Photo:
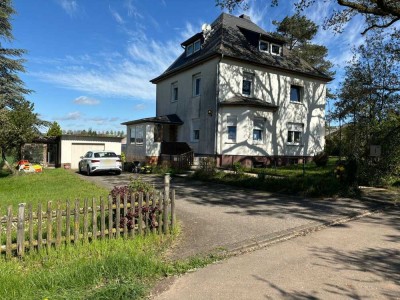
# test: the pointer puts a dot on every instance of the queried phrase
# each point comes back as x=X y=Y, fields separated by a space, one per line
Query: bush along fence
x=121 y=216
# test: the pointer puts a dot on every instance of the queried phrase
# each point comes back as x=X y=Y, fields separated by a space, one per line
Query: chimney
x=243 y=16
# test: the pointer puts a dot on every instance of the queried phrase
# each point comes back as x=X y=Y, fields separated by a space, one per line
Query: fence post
x=110 y=217
x=140 y=214
x=173 y=217
x=9 y=227
x=76 y=222
x=125 y=216
x=68 y=223
x=59 y=225
x=49 y=225
x=85 y=220
x=94 y=219
x=21 y=230
x=30 y=217
x=40 y=231
x=166 y=201
x=118 y=216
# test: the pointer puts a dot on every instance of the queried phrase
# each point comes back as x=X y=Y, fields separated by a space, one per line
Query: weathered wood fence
x=136 y=214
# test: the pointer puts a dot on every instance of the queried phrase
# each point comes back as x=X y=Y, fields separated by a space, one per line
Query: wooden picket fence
x=30 y=230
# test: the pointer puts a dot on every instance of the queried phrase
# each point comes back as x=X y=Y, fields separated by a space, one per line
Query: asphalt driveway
x=216 y=217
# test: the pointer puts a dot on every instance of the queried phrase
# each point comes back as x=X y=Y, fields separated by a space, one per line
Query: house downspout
x=216 y=109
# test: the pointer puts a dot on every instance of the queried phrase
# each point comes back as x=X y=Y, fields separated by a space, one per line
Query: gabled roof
x=168 y=119
x=238 y=38
x=248 y=101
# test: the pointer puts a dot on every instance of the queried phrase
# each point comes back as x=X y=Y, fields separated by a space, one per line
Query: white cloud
x=132 y=10
x=117 y=17
x=70 y=6
x=84 y=100
x=140 y=106
x=72 y=116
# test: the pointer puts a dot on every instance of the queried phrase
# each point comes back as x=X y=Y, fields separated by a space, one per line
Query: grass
x=108 y=269
x=52 y=184
x=316 y=182
x=115 y=269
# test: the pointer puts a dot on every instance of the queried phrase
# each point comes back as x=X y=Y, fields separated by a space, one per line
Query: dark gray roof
x=168 y=119
x=238 y=38
x=248 y=101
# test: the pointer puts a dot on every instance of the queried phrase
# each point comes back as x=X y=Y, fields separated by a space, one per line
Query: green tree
x=54 y=130
x=298 y=32
x=376 y=13
x=18 y=122
x=369 y=101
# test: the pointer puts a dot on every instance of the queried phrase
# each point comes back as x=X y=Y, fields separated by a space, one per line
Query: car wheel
x=118 y=173
x=88 y=171
x=79 y=169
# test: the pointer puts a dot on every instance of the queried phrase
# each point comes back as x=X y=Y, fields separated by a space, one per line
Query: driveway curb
x=271 y=239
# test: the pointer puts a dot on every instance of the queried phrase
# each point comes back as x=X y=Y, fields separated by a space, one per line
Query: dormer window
x=263 y=46
x=193 y=47
x=276 y=49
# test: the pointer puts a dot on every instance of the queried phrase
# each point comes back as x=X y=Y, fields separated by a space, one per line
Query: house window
x=195 y=130
x=189 y=50
x=295 y=133
x=295 y=93
x=247 y=83
x=196 y=84
x=193 y=48
x=133 y=135
x=137 y=134
x=276 y=49
x=258 y=129
x=174 y=92
x=263 y=46
x=231 y=123
x=196 y=46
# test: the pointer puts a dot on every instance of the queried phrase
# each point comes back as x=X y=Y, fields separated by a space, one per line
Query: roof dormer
x=193 y=44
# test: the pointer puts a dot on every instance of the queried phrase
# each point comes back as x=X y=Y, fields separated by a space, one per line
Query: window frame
x=293 y=130
x=248 y=77
x=275 y=45
x=265 y=42
x=300 y=93
x=174 y=96
x=231 y=124
x=192 y=48
x=196 y=89
x=260 y=130
x=195 y=130
x=135 y=132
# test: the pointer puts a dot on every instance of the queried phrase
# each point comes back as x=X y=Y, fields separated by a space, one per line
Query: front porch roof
x=248 y=101
x=168 y=119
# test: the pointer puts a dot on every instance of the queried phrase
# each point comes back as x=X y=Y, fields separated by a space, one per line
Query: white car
x=100 y=161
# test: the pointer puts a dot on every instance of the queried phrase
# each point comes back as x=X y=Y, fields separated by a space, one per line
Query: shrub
x=321 y=159
x=238 y=168
x=136 y=186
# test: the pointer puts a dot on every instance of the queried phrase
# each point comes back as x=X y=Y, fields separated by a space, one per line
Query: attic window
x=193 y=47
x=263 y=46
x=276 y=49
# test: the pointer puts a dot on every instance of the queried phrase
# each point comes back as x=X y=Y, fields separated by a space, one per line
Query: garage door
x=79 y=150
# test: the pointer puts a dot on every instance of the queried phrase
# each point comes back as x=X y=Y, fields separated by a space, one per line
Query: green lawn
x=52 y=184
x=310 y=168
x=103 y=269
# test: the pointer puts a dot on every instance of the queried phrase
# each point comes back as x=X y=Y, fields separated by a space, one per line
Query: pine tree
x=18 y=122
x=54 y=130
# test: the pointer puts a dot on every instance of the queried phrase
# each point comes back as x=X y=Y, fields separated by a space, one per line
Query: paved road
x=223 y=217
x=356 y=260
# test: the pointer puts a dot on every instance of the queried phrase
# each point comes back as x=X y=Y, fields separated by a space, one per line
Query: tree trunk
x=3 y=156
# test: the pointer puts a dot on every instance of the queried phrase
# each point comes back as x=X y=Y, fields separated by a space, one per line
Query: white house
x=238 y=94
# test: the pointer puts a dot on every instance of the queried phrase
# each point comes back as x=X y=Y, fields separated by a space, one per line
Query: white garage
x=73 y=147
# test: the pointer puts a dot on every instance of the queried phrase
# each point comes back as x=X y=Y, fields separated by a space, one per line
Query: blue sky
x=90 y=62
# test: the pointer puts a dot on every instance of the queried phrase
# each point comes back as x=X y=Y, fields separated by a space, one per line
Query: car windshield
x=105 y=154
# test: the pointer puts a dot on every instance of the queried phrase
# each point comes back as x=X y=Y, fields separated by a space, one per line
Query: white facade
x=272 y=87
x=73 y=147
